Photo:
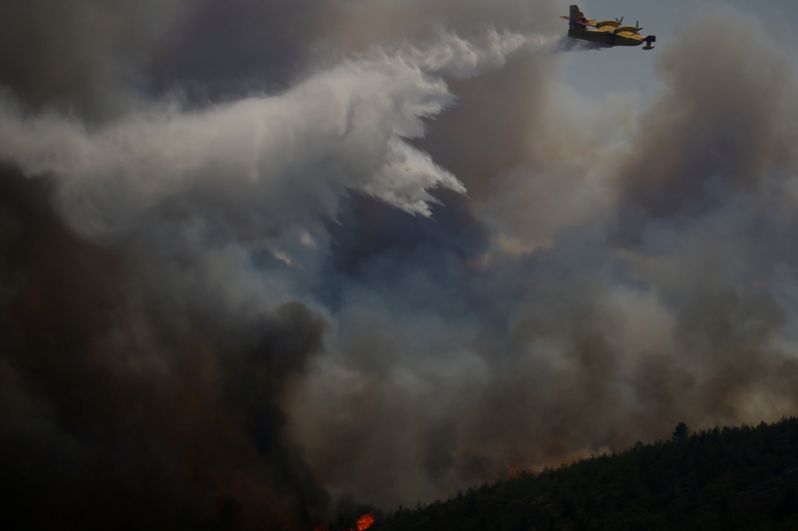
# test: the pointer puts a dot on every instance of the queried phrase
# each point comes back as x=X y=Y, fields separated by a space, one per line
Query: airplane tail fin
x=650 y=40
x=576 y=15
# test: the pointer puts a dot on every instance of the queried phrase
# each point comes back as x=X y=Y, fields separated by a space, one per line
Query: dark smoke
x=264 y=262
x=86 y=56
x=125 y=412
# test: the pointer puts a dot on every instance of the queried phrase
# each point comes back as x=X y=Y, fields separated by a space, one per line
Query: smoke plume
x=371 y=253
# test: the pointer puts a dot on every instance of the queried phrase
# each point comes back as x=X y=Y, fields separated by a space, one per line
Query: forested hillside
x=730 y=478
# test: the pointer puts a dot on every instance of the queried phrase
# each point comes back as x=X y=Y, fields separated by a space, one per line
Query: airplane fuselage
x=603 y=38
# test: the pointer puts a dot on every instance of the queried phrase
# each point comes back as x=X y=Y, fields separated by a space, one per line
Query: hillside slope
x=731 y=478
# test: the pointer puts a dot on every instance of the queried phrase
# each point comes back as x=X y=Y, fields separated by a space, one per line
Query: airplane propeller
x=619 y=20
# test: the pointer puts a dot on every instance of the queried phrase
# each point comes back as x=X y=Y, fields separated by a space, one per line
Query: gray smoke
x=86 y=57
x=371 y=251
x=581 y=317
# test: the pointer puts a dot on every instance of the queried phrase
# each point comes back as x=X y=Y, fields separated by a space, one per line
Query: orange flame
x=365 y=522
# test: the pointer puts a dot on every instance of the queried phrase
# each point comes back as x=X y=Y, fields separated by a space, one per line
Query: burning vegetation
x=366 y=521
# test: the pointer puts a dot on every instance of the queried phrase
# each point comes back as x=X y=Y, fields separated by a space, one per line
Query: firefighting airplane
x=607 y=33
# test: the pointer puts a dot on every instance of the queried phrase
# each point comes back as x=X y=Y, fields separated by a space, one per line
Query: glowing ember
x=365 y=522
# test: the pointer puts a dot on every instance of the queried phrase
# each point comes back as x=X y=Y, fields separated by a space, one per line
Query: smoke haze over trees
x=259 y=259
x=734 y=478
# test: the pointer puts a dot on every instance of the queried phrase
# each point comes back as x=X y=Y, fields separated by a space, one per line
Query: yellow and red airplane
x=606 y=33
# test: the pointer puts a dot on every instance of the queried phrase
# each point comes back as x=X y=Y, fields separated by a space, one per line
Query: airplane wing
x=630 y=34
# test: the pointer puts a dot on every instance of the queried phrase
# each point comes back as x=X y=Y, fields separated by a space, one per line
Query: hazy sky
x=597 y=75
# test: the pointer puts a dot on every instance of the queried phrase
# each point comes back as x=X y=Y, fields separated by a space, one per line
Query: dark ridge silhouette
x=729 y=478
